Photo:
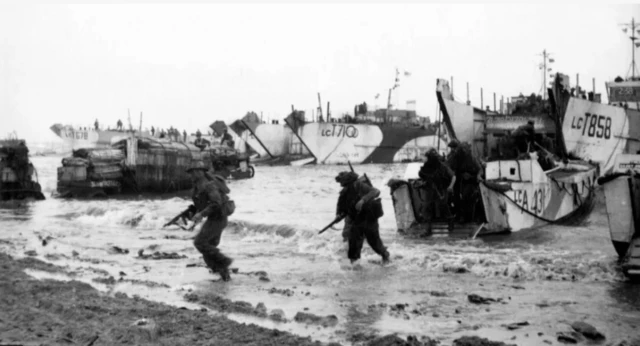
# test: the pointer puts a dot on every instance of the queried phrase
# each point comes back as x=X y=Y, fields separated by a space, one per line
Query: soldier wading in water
x=211 y=202
x=359 y=205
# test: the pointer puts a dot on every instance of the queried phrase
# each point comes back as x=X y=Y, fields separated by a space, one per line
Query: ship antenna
x=634 y=44
x=546 y=59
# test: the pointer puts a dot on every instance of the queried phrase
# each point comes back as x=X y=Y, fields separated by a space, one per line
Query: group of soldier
x=451 y=184
x=171 y=133
x=450 y=181
x=358 y=204
x=202 y=143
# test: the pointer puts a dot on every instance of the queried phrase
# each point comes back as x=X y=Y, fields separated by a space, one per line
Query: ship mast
x=634 y=44
x=546 y=58
x=396 y=84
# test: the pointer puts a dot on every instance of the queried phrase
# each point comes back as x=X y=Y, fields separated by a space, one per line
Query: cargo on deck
x=142 y=165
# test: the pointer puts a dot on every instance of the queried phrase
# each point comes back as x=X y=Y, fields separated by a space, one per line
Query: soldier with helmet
x=212 y=203
x=200 y=142
x=438 y=181
x=359 y=205
x=468 y=173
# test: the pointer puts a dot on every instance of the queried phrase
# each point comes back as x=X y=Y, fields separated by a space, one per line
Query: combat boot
x=385 y=257
x=224 y=274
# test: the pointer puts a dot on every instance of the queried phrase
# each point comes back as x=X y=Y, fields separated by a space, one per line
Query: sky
x=187 y=65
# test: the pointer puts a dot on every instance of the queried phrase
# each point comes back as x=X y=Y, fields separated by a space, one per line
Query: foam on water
x=274 y=230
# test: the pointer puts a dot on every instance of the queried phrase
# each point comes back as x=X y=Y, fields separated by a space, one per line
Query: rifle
x=364 y=175
x=335 y=221
x=186 y=214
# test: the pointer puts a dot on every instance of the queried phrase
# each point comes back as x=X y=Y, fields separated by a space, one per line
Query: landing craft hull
x=594 y=131
x=75 y=138
x=144 y=165
x=467 y=123
x=17 y=172
x=518 y=195
x=339 y=143
x=271 y=140
x=622 y=198
x=599 y=132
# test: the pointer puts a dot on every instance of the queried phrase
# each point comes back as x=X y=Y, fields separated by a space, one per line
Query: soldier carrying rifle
x=212 y=203
x=360 y=206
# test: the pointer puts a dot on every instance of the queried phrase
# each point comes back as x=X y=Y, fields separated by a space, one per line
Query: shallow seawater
x=548 y=277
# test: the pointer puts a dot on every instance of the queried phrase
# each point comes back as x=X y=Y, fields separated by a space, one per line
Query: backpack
x=228 y=206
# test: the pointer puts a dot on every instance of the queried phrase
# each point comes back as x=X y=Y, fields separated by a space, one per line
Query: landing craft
x=143 y=165
x=611 y=133
x=516 y=194
x=74 y=137
x=592 y=130
x=269 y=143
x=382 y=136
x=622 y=196
x=17 y=173
x=484 y=129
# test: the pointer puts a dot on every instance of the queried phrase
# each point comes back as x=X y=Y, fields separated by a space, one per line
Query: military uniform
x=359 y=225
x=524 y=137
x=436 y=177
x=201 y=143
x=210 y=202
x=228 y=139
x=465 y=190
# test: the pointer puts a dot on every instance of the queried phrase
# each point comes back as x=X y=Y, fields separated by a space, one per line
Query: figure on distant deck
x=227 y=139
x=524 y=137
x=201 y=142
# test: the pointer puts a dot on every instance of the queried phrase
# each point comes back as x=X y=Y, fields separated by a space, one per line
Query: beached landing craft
x=272 y=143
x=622 y=183
x=143 y=164
x=592 y=130
x=517 y=193
x=381 y=136
x=85 y=137
x=74 y=138
x=622 y=197
x=16 y=181
x=485 y=129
